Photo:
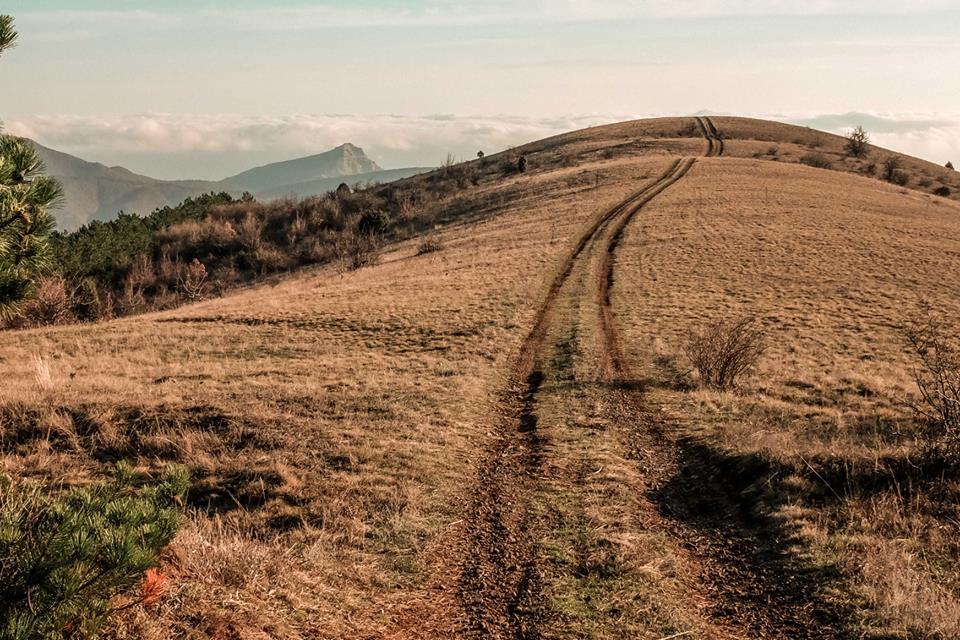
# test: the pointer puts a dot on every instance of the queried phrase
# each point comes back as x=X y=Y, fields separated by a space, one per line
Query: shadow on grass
x=725 y=504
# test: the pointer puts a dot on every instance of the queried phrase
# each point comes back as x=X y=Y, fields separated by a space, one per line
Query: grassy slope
x=334 y=423
x=833 y=265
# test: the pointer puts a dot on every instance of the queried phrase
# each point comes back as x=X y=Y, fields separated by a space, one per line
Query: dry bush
x=893 y=173
x=725 y=349
x=429 y=246
x=937 y=377
x=250 y=231
x=52 y=305
x=817 y=160
x=192 y=280
x=354 y=250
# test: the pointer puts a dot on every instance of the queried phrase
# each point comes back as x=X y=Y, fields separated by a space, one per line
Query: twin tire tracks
x=499 y=581
x=709 y=131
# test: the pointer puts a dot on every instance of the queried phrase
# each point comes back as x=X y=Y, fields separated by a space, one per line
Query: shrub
x=355 y=250
x=50 y=305
x=858 y=143
x=68 y=562
x=374 y=221
x=937 y=377
x=725 y=349
x=192 y=279
x=522 y=164
x=942 y=191
x=817 y=160
x=892 y=172
x=949 y=165
x=429 y=246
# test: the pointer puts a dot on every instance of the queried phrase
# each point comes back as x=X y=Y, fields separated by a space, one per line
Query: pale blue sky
x=194 y=88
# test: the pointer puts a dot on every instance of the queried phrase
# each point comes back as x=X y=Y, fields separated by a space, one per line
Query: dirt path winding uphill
x=499 y=579
x=709 y=131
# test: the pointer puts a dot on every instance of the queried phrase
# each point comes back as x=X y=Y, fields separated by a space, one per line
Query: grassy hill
x=495 y=431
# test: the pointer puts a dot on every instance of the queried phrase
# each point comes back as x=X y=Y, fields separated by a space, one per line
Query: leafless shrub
x=937 y=377
x=429 y=246
x=250 y=231
x=725 y=349
x=354 y=250
x=52 y=304
x=139 y=278
x=192 y=280
x=817 y=160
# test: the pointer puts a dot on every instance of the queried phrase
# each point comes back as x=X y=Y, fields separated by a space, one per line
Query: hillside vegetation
x=493 y=430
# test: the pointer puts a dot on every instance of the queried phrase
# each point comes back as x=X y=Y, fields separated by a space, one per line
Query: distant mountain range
x=97 y=192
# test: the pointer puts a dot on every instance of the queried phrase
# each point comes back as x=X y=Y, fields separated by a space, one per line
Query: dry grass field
x=500 y=438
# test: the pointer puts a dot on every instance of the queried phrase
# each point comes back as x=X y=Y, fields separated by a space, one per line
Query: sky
x=207 y=88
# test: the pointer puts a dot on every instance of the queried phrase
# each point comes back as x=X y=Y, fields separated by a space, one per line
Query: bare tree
x=858 y=142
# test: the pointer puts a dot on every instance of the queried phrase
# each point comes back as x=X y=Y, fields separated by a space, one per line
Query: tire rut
x=759 y=585
x=613 y=357
x=710 y=132
x=499 y=583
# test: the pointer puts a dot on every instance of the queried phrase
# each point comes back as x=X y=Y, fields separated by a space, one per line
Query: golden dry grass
x=833 y=265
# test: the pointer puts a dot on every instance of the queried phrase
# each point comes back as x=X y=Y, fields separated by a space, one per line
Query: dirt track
x=714 y=140
x=499 y=588
x=499 y=577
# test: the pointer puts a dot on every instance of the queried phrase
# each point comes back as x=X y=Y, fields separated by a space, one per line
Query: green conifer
x=26 y=195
